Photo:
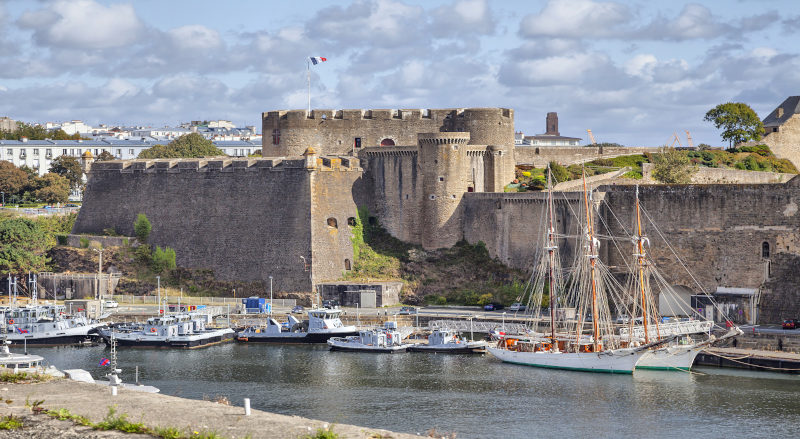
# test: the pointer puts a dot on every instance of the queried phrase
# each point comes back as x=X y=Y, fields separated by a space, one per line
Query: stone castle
x=430 y=177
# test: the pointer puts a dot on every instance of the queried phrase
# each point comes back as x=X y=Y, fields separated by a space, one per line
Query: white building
x=71 y=127
x=38 y=154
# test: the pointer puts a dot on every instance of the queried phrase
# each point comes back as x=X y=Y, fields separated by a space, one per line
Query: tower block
x=443 y=158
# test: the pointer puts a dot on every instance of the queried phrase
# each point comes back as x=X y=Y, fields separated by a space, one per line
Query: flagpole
x=308 y=77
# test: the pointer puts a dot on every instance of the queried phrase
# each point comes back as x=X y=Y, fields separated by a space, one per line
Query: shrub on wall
x=84 y=242
x=142 y=228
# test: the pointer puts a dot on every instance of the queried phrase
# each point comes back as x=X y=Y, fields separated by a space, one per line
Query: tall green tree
x=12 y=179
x=142 y=228
x=53 y=189
x=68 y=167
x=104 y=157
x=23 y=246
x=187 y=146
x=738 y=121
x=672 y=167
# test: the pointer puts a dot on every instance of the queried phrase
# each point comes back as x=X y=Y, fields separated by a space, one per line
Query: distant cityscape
x=122 y=142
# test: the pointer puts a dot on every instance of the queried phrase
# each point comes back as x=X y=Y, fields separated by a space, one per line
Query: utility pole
x=99 y=271
x=270 y=296
x=158 y=290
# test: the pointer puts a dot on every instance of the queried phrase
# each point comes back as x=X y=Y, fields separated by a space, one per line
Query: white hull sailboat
x=612 y=361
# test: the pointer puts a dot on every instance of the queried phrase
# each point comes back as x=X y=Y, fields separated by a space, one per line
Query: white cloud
x=463 y=17
x=83 y=24
x=195 y=37
x=576 y=19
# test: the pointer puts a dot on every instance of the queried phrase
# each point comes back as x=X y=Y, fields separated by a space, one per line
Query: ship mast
x=640 y=262
x=593 y=260
x=551 y=259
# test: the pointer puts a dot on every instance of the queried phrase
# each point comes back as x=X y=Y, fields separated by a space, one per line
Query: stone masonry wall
x=706 y=175
x=542 y=155
x=785 y=143
x=334 y=131
x=244 y=219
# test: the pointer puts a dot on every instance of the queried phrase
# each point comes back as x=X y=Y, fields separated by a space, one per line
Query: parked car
x=492 y=306
x=70 y=205
x=407 y=310
x=791 y=324
x=297 y=310
x=330 y=304
x=111 y=304
x=517 y=307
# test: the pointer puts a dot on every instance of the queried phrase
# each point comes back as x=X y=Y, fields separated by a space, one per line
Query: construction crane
x=591 y=137
x=689 y=139
x=676 y=139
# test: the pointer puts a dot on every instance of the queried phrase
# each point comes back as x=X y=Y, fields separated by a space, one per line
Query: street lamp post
x=158 y=290
x=270 y=296
x=99 y=271
x=504 y=321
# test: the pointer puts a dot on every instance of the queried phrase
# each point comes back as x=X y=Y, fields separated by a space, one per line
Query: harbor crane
x=591 y=137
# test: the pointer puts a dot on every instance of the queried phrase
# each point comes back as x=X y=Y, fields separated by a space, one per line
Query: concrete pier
x=770 y=361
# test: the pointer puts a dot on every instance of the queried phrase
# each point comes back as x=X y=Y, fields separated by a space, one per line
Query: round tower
x=443 y=163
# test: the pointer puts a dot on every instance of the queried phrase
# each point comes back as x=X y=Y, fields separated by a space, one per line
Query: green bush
x=142 y=228
x=163 y=260
x=61 y=238
x=84 y=242
x=10 y=422
x=112 y=421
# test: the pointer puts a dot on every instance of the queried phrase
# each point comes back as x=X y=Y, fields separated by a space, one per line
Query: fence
x=193 y=300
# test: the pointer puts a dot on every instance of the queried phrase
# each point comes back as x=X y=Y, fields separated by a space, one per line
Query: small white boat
x=47 y=325
x=322 y=324
x=183 y=330
x=17 y=363
x=381 y=340
x=447 y=341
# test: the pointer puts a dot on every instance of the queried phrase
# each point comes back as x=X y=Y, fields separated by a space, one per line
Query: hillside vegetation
x=464 y=274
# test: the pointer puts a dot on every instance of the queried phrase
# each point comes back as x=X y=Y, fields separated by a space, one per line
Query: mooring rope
x=735 y=360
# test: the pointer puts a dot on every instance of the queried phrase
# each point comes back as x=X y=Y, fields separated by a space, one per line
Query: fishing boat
x=48 y=325
x=322 y=324
x=180 y=330
x=570 y=345
x=380 y=340
x=448 y=342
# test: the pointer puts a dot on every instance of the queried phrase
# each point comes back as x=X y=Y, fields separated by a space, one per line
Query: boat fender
x=10 y=321
x=152 y=329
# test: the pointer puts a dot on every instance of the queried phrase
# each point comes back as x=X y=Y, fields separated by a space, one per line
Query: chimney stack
x=552 y=124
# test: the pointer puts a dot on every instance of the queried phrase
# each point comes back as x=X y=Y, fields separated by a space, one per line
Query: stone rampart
x=785 y=143
x=289 y=133
x=540 y=156
x=705 y=175
x=245 y=219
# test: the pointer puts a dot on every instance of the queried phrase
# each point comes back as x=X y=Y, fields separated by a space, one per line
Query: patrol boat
x=182 y=330
x=322 y=324
x=447 y=341
x=47 y=325
x=381 y=340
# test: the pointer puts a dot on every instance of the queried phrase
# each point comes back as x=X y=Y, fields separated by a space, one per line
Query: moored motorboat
x=183 y=330
x=48 y=325
x=447 y=341
x=381 y=340
x=322 y=324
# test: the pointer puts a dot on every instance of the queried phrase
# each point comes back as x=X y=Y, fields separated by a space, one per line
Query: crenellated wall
x=334 y=131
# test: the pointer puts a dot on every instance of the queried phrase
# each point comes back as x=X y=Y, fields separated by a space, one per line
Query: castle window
x=387 y=142
x=332 y=223
x=441 y=178
x=347 y=264
x=537 y=150
x=357 y=142
x=453 y=196
x=276 y=136
x=470 y=189
x=351 y=222
x=432 y=197
x=765 y=250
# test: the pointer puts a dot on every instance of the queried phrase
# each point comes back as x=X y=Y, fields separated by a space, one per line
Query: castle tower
x=551 y=128
x=499 y=168
x=443 y=161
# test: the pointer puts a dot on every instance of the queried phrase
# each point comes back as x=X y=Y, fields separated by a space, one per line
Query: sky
x=634 y=72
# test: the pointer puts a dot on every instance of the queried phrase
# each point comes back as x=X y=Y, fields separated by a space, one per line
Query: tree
x=163 y=260
x=142 y=228
x=69 y=167
x=53 y=189
x=187 y=146
x=22 y=246
x=12 y=179
x=104 y=157
x=672 y=167
x=560 y=173
x=738 y=121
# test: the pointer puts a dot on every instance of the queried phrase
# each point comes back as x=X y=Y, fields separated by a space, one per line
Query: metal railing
x=126 y=299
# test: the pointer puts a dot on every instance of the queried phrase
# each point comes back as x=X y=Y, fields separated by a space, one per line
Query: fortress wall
x=706 y=175
x=394 y=178
x=245 y=219
x=718 y=230
x=476 y=172
x=334 y=131
x=512 y=225
x=785 y=143
x=337 y=191
x=540 y=156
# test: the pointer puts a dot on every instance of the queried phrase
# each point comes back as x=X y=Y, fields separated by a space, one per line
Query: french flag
x=104 y=362
x=317 y=59
x=22 y=331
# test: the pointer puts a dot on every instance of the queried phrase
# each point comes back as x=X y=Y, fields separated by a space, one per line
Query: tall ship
x=180 y=330
x=588 y=341
x=48 y=325
x=322 y=324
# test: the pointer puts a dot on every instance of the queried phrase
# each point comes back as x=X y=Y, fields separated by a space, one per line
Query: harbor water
x=473 y=396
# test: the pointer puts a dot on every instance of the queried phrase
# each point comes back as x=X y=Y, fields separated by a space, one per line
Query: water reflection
x=474 y=396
